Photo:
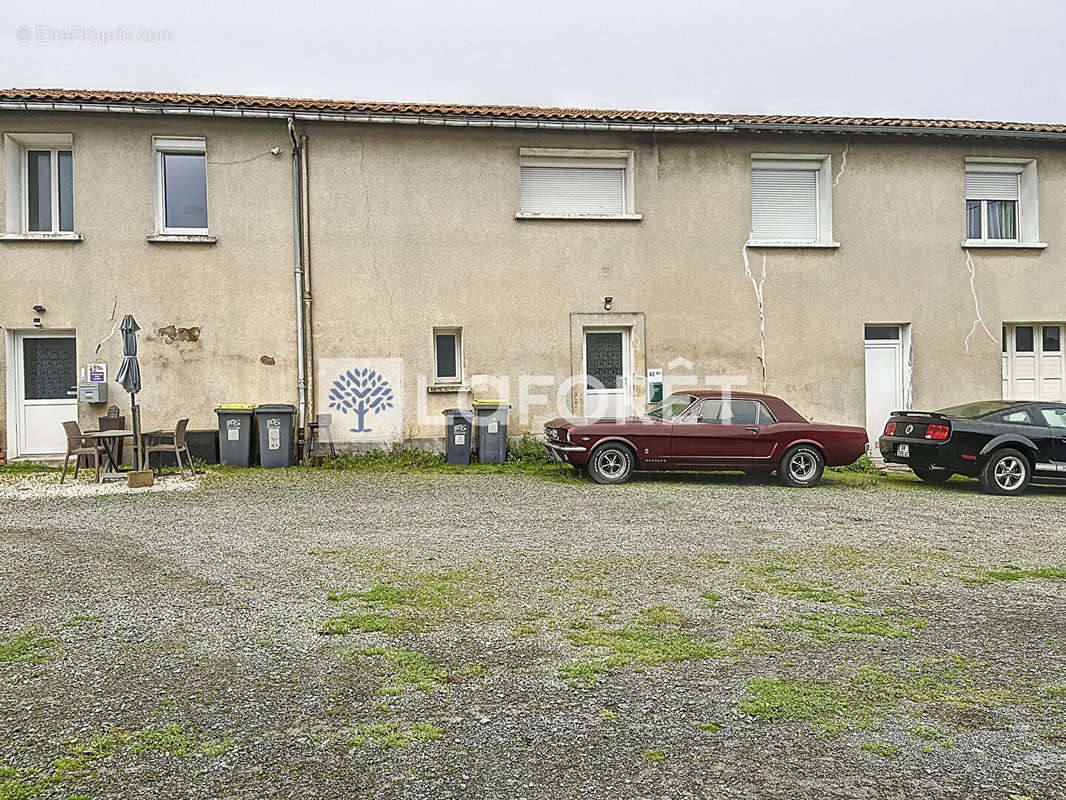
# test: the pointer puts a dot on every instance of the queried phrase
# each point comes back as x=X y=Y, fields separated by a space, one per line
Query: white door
x=46 y=391
x=1033 y=365
x=884 y=379
x=608 y=373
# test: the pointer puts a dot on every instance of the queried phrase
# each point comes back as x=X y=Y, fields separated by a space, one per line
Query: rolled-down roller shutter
x=784 y=204
x=991 y=186
x=573 y=190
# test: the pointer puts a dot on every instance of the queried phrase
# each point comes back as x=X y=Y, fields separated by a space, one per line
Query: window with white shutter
x=1001 y=203
x=576 y=184
x=790 y=200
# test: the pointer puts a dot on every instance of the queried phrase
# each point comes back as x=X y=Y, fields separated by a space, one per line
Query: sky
x=979 y=59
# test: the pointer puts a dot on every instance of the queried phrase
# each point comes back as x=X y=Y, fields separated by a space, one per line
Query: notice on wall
x=97 y=373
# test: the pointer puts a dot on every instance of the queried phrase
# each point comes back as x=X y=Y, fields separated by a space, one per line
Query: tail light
x=890 y=429
x=937 y=433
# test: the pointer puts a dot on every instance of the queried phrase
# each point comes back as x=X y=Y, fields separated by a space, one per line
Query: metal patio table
x=109 y=440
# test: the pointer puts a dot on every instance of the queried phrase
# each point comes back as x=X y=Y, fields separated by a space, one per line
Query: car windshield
x=671 y=407
x=975 y=410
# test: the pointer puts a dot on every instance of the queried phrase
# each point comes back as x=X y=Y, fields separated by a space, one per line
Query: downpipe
x=298 y=272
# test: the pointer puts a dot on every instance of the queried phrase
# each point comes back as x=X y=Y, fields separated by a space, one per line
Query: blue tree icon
x=360 y=392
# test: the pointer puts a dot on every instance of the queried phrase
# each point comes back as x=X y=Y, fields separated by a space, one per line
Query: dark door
x=1055 y=418
x=716 y=432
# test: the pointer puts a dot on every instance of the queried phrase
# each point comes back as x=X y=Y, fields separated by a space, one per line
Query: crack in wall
x=114 y=327
x=757 y=287
x=972 y=269
x=843 y=161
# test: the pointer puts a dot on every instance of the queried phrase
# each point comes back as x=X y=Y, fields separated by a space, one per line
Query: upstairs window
x=576 y=184
x=1001 y=203
x=791 y=200
x=181 y=195
x=41 y=199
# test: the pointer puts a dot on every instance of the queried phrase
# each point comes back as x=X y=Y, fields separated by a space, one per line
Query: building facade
x=562 y=260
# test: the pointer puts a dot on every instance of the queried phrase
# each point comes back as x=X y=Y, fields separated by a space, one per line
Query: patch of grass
x=25 y=647
x=844 y=627
x=821 y=592
x=406 y=669
x=655 y=755
x=528 y=450
x=396 y=456
x=365 y=623
x=25 y=468
x=607 y=714
x=1010 y=572
x=387 y=735
x=711 y=598
x=883 y=749
x=710 y=727
x=862 y=465
x=651 y=641
x=176 y=742
x=779 y=700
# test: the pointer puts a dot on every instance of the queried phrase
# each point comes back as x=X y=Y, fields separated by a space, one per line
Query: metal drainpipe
x=305 y=238
x=301 y=383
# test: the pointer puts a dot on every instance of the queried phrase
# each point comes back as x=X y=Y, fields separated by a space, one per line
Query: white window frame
x=456 y=332
x=171 y=144
x=822 y=165
x=16 y=161
x=555 y=157
x=1026 y=212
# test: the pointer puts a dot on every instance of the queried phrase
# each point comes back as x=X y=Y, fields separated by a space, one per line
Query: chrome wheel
x=802 y=466
x=611 y=464
x=1010 y=473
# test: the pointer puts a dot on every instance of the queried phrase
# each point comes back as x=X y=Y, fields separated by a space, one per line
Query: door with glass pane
x=1033 y=365
x=46 y=392
x=608 y=372
x=885 y=389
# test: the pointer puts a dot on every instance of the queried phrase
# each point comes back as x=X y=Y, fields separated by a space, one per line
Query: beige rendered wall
x=413 y=227
x=238 y=292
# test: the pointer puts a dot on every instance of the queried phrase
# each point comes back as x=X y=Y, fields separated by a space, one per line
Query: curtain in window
x=1001 y=219
x=973 y=219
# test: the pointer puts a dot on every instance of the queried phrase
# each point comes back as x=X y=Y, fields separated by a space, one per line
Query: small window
x=1054 y=417
x=728 y=412
x=448 y=355
x=181 y=167
x=879 y=332
x=48 y=189
x=791 y=199
x=576 y=183
x=1051 y=338
x=765 y=416
x=1001 y=201
x=1019 y=417
x=1023 y=339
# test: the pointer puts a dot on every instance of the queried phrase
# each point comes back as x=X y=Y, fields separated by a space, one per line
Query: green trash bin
x=236 y=437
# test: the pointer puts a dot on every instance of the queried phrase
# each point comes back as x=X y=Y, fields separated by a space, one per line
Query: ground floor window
x=1033 y=365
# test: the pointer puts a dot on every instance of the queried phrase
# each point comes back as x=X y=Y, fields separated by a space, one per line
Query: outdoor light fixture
x=39 y=309
x=37 y=322
x=607 y=303
x=275 y=151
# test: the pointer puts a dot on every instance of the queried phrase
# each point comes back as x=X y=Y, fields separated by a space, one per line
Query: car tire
x=802 y=466
x=1006 y=472
x=611 y=463
x=933 y=476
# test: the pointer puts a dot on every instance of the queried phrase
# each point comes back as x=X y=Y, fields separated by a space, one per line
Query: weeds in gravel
x=883 y=749
x=1010 y=572
x=928 y=733
x=652 y=641
x=27 y=647
x=387 y=735
x=25 y=468
x=406 y=669
x=176 y=742
x=848 y=627
x=365 y=623
x=822 y=592
x=655 y=756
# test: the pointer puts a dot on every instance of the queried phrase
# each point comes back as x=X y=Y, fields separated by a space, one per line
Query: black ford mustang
x=1005 y=444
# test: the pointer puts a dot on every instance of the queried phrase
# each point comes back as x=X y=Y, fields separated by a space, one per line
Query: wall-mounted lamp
x=39 y=309
x=607 y=301
x=37 y=322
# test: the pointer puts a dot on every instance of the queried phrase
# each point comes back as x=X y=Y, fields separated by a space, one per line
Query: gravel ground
x=510 y=635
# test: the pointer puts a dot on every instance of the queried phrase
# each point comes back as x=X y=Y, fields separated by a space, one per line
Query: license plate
x=903 y=450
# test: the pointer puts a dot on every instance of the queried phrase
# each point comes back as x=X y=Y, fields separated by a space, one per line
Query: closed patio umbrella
x=129 y=376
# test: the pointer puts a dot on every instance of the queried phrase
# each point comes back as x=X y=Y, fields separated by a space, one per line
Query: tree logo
x=360 y=392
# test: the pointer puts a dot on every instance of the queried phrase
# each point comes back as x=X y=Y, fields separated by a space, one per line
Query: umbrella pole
x=136 y=413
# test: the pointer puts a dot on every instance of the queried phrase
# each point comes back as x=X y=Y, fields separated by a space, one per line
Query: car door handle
x=752 y=428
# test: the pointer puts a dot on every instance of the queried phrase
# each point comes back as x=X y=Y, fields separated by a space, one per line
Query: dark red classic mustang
x=710 y=430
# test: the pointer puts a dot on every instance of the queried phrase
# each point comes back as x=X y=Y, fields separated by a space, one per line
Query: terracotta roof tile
x=218 y=101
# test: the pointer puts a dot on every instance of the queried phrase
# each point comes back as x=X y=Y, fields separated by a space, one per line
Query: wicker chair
x=176 y=445
x=77 y=446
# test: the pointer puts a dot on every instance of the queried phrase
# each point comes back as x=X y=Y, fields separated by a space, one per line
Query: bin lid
x=238 y=407
x=277 y=407
x=456 y=412
x=491 y=403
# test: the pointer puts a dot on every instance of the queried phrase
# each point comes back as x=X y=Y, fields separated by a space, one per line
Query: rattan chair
x=77 y=446
x=176 y=445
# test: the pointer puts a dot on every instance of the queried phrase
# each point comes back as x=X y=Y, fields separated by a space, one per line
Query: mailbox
x=92 y=392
